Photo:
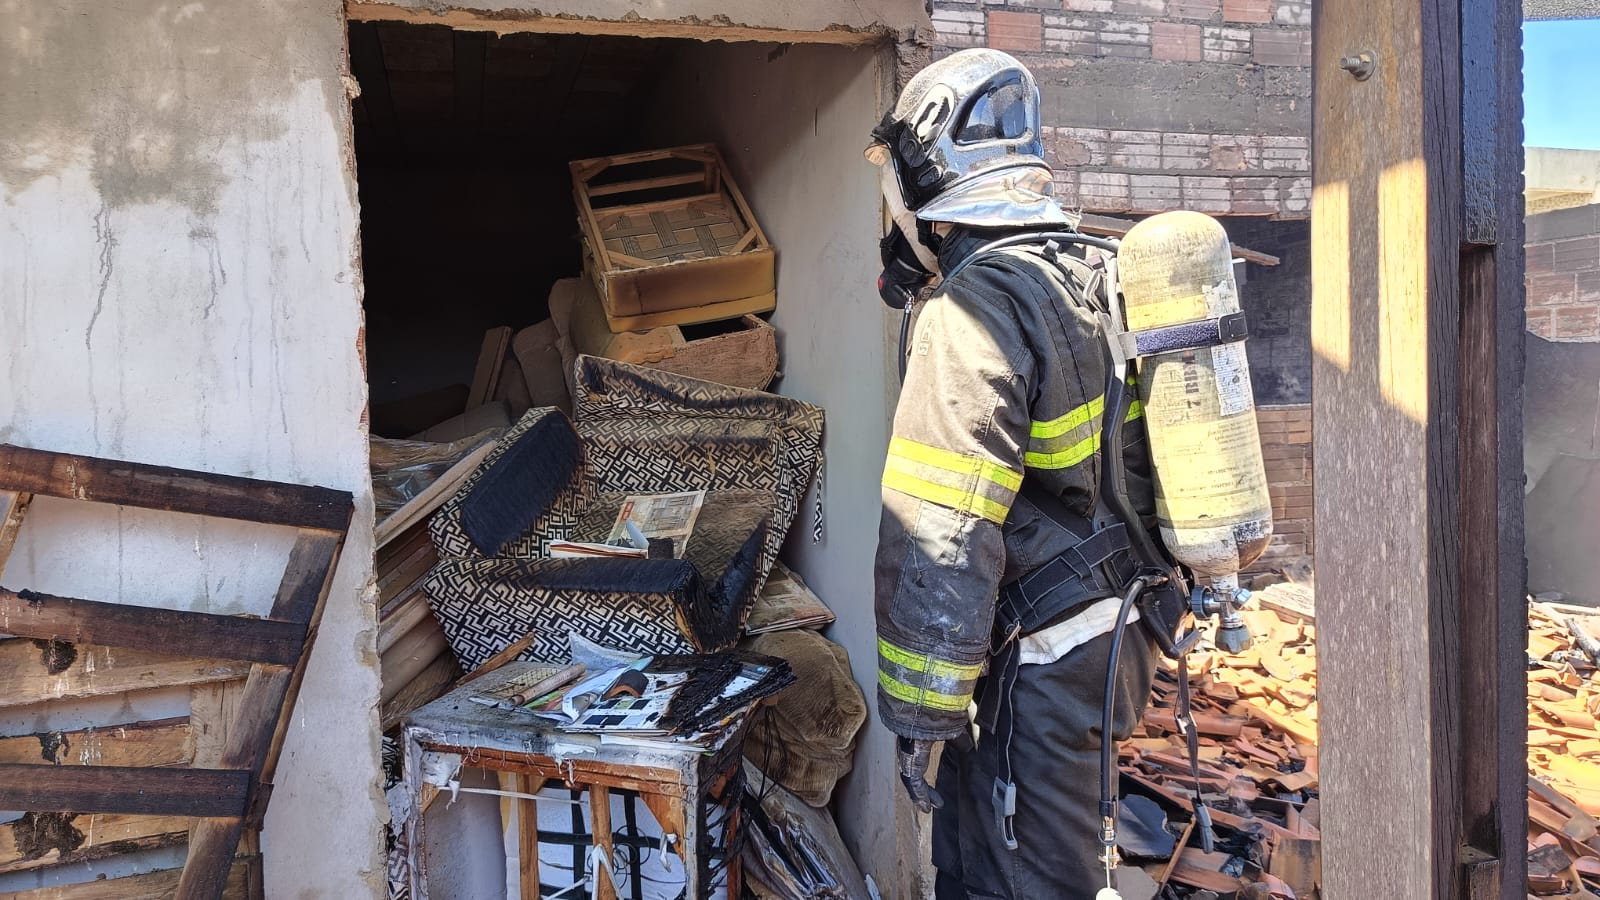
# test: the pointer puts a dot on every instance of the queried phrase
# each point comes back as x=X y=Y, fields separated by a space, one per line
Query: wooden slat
x=528 y=837
x=48 y=617
x=255 y=736
x=600 y=824
x=160 y=791
x=645 y=184
x=16 y=508
x=173 y=490
x=428 y=685
x=212 y=711
x=35 y=671
x=162 y=742
x=491 y=359
x=243 y=883
x=43 y=840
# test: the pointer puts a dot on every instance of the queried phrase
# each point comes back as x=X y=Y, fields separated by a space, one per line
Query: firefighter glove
x=914 y=759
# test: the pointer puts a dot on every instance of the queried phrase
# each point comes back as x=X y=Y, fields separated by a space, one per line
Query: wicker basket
x=674 y=248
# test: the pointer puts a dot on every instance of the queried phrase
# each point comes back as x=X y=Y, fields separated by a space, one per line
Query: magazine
x=657 y=517
x=786 y=602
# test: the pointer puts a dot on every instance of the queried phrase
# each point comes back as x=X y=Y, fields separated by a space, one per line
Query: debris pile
x=1563 y=752
x=1256 y=716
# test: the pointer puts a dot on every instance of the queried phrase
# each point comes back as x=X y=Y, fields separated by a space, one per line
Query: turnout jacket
x=1004 y=388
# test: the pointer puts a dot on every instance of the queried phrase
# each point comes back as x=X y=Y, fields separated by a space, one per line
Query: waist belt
x=1090 y=569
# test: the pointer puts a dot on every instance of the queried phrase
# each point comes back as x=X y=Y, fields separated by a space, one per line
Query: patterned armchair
x=550 y=478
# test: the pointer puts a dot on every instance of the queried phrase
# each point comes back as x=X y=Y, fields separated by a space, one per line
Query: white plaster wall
x=793 y=122
x=179 y=285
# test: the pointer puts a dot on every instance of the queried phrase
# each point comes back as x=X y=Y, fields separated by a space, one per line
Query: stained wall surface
x=179 y=285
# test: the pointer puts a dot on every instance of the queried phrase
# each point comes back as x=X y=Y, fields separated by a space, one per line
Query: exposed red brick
x=1552 y=290
x=1247 y=10
x=1578 y=322
x=1281 y=47
x=1575 y=254
x=1016 y=30
x=1194 y=9
x=1542 y=322
x=1178 y=42
x=1541 y=258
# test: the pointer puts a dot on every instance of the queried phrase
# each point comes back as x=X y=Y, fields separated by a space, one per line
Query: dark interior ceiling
x=429 y=90
x=462 y=144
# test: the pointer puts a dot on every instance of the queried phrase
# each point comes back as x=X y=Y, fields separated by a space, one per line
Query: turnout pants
x=1055 y=764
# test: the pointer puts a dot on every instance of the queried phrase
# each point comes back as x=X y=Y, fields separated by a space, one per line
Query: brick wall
x=1153 y=105
x=1286 y=448
x=1563 y=275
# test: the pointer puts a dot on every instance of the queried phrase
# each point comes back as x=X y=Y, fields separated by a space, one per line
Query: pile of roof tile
x=1256 y=715
x=1563 y=753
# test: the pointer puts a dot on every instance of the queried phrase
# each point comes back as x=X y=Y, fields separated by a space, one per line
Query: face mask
x=904 y=219
x=908 y=265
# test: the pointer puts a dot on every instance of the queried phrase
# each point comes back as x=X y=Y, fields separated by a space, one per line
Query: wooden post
x=1417 y=332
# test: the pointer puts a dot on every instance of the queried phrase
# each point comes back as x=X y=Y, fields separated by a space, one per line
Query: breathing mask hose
x=1108 y=746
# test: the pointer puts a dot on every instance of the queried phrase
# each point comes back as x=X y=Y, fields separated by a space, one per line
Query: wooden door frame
x=1417 y=333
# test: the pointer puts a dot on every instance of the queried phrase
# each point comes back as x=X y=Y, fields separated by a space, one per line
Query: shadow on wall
x=1561 y=459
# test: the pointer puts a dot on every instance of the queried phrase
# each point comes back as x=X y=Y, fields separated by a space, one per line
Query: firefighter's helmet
x=965 y=143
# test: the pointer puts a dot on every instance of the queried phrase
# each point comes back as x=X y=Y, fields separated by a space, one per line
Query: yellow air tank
x=1212 y=502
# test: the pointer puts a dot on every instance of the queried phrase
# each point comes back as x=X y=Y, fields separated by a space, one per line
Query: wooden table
x=678 y=784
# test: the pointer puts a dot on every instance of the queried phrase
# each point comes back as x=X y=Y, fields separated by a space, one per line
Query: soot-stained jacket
x=1005 y=383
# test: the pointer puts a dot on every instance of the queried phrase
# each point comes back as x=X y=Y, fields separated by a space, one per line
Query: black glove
x=914 y=758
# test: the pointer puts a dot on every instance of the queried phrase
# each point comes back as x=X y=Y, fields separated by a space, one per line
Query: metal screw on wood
x=1359 y=64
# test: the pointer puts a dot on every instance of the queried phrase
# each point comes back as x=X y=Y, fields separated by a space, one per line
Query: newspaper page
x=658 y=516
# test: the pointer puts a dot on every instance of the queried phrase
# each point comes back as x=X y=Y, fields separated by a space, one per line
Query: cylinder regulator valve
x=1186 y=329
x=1223 y=598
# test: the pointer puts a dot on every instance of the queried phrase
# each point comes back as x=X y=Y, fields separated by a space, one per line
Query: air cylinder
x=1211 y=488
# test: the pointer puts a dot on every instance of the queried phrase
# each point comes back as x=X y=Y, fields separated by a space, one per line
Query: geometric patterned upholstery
x=638 y=431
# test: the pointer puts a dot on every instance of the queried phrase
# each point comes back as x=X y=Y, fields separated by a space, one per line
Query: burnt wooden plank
x=48 y=839
x=305 y=577
x=34 y=671
x=156 y=791
x=173 y=490
x=160 y=742
x=255 y=736
x=48 y=617
x=16 y=505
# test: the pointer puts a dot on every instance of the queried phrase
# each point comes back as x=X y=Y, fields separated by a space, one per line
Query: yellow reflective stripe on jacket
x=1066 y=457
x=919 y=662
x=1074 y=418
x=972 y=484
x=920 y=697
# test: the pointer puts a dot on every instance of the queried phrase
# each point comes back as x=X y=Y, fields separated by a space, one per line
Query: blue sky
x=1560 y=72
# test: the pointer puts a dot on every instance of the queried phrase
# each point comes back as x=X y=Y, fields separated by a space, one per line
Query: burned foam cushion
x=529 y=491
x=642 y=605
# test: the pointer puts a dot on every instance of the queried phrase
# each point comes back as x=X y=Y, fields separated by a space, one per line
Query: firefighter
x=998 y=564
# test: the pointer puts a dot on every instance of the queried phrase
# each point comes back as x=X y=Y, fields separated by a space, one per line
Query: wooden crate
x=671 y=249
x=744 y=355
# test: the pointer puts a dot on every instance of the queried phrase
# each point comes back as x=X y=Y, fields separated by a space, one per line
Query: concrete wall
x=179 y=284
x=793 y=121
x=859 y=22
x=1220 y=120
